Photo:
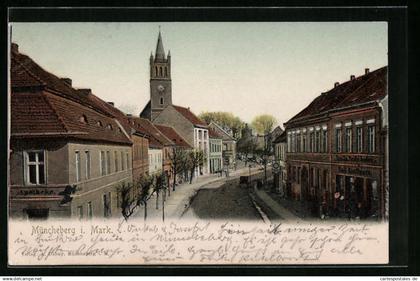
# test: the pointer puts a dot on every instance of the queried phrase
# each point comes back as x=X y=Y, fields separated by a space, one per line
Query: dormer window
x=109 y=127
x=99 y=124
x=83 y=119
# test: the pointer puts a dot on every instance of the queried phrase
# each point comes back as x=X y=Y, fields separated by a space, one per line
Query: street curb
x=258 y=192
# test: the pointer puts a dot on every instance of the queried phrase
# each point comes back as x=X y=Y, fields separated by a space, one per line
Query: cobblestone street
x=229 y=201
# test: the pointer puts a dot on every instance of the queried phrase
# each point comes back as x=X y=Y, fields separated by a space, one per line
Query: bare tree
x=145 y=191
x=178 y=157
x=195 y=159
x=128 y=202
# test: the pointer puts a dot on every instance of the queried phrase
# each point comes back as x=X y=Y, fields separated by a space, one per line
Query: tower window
x=161 y=101
x=166 y=72
x=160 y=71
x=156 y=70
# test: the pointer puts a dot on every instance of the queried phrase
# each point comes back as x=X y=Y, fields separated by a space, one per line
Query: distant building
x=157 y=141
x=60 y=138
x=229 y=143
x=178 y=144
x=216 y=152
x=280 y=178
x=336 y=156
x=192 y=129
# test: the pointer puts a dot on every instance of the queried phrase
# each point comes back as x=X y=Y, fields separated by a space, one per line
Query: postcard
x=195 y=143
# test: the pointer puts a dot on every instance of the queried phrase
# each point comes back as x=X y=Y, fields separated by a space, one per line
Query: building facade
x=229 y=144
x=157 y=140
x=280 y=177
x=67 y=155
x=216 y=152
x=192 y=129
x=336 y=149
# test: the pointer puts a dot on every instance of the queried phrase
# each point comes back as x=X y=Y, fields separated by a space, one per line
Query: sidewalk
x=274 y=206
x=179 y=201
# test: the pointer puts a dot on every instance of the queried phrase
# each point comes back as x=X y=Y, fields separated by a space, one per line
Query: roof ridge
x=161 y=132
x=176 y=132
x=369 y=78
x=223 y=130
x=36 y=77
x=55 y=112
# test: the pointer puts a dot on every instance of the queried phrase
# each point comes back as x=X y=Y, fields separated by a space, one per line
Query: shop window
x=37 y=214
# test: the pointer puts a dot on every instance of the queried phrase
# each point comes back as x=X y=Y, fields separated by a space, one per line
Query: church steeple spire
x=160 y=80
x=160 y=52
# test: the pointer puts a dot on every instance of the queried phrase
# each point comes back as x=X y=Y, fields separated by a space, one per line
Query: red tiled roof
x=124 y=120
x=365 y=88
x=171 y=134
x=25 y=73
x=157 y=138
x=186 y=112
x=214 y=135
x=55 y=108
x=32 y=113
x=46 y=114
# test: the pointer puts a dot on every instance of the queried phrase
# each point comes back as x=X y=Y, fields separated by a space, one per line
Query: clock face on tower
x=160 y=88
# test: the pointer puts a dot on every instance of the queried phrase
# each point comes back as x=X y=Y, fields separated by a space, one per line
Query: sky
x=248 y=69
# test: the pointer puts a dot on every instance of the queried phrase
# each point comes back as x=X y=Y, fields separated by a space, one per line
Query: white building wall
x=201 y=142
x=155 y=160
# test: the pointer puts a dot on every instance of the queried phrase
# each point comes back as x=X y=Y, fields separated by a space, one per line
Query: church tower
x=160 y=79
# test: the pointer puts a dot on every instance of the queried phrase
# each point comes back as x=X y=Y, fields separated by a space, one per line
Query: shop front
x=357 y=192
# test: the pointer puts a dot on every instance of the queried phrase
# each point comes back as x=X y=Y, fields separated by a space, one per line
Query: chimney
x=352 y=77
x=366 y=70
x=85 y=91
x=129 y=114
x=66 y=80
x=111 y=103
x=336 y=84
x=15 y=48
